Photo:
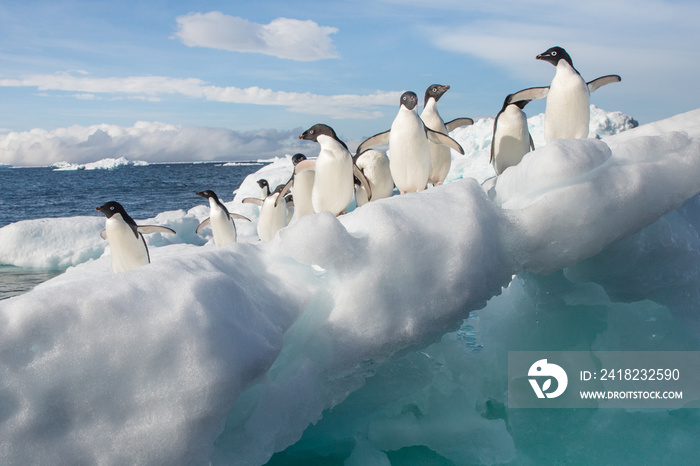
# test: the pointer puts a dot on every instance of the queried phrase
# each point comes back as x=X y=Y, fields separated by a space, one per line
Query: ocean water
x=143 y=190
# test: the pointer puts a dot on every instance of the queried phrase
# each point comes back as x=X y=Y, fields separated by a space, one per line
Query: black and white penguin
x=273 y=215
x=220 y=219
x=302 y=183
x=334 y=171
x=511 y=136
x=374 y=164
x=567 y=114
x=127 y=245
x=409 y=152
x=440 y=155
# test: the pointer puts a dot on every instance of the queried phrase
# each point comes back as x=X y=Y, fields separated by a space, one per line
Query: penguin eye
x=435 y=89
x=311 y=131
x=111 y=208
x=554 y=54
x=404 y=98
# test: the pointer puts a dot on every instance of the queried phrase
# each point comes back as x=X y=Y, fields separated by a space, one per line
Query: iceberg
x=374 y=336
x=104 y=164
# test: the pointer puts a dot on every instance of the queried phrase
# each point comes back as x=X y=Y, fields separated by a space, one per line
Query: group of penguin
x=420 y=156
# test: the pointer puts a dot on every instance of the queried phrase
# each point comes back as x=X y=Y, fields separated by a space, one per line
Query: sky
x=221 y=80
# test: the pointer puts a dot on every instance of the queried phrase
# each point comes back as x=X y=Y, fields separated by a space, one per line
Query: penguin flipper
x=440 y=138
x=360 y=175
x=532 y=143
x=536 y=93
x=308 y=164
x=376 y=140
x=457 y=122
x=253 y=200
x=238 y=216
x=103 y=234
x=154 y=229
x=602 y=81
x=202 y=225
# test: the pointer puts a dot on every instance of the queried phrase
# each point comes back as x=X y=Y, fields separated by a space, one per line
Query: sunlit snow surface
x=357 y=324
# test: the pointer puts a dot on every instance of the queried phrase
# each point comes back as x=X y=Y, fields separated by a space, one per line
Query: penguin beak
x=199 y=194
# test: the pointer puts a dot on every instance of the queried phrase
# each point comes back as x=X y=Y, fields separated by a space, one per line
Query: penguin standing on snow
x=511 y=136
x=440 y=155
x=302 y=184
x=126 y=242
x=374 y=164
x=567 y=113
x=409 y=152
x=334 y=171
x=273 y=214
x=220 y=219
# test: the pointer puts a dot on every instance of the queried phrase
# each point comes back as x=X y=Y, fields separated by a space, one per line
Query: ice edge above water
x=260 y=339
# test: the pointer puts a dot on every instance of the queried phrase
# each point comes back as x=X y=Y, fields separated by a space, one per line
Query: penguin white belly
x=567 y=113
x=375 y=165
x=333 y=182
x=512 y=139
x=303 y=187
x=409 y=152
x=128 y=250
x=440 y=154
x=272 y=219
x=222 y=227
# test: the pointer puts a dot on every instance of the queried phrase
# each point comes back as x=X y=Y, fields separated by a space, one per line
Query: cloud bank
x=148 y=141
x=283 y=37
x=343 y=106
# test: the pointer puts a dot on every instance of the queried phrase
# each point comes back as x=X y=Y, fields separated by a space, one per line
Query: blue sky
x=257 y=72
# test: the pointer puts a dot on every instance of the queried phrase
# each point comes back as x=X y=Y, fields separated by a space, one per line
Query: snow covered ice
x=348 y=335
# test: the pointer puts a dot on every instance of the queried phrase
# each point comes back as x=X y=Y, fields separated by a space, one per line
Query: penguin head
x=317 y=130
x=297 y=158
x=112 y=208
x=553 y=55
x=409 y=100
x=320 y=129
x=435 y=91
x=265 y=186
x=209 y=194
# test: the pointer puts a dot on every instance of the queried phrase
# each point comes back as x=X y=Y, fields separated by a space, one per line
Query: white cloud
x=283 y=37
x=629 y=38
x=149 y=141
x=150 y=87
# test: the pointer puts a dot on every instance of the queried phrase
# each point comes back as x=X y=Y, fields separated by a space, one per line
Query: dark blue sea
x=143 y=190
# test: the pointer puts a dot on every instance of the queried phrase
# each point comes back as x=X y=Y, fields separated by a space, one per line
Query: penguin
x=409 y=152
x=128 y=247
x=374 y=164
x=273 y=215
x=220 y=219
x=511 y=137
x=440 y=155
x=302 y=183
x=333 y=172
x=567 y=113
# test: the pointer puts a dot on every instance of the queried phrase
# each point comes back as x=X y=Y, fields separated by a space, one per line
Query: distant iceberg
x=382 y=332
x=104 y=164
x=244 y=164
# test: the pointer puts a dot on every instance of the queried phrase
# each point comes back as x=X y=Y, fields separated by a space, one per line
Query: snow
x=352 y=329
